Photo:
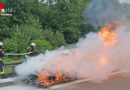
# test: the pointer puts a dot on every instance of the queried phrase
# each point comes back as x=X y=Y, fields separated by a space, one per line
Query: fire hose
x=18 y=54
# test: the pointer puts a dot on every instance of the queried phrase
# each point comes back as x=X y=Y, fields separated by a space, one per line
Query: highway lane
x=114 y=83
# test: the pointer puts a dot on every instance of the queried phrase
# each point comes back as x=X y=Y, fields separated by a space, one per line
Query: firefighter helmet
x=1 y=43
x=33 y=44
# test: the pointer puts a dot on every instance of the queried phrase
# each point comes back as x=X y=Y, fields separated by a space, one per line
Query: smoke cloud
x=91 y=58
x=100 y=12
x=124 y=1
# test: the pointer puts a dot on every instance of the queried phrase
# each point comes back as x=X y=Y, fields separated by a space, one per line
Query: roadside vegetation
x=49 y=26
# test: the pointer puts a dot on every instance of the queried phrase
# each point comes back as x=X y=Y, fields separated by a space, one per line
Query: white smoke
x=124 y=1
x=86 y=62
x=100 y=12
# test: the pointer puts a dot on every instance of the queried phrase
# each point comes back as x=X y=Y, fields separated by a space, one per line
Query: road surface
x=114 y=83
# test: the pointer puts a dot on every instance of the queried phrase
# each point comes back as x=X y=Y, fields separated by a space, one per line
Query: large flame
x=47 y=78
x=109 y=33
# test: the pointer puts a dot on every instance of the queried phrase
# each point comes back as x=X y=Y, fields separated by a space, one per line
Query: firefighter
x=31 y=51
x=2 y=71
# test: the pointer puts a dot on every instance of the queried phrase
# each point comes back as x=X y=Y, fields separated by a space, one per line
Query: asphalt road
x=114 y=83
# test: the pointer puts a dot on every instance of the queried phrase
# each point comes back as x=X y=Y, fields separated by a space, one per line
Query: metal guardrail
x=12 y=65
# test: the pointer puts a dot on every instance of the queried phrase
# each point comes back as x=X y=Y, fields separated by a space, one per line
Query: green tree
x=18 y=43
x=52 y=25
x=43 y=45
x=59 y=39
x=32 y=28
x=55 y=39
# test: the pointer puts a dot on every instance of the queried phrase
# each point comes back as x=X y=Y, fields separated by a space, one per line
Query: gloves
x=36 y=51
x=26 y=56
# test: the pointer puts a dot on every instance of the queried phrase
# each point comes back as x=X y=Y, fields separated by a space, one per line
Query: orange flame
x=103 y=61
x=58 y=76
x=43 y=78
x=108 y=33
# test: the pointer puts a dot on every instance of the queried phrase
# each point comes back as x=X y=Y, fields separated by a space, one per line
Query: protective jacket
x=1 y=52
x=2 y=71
x=2 y=67
x=30 y=50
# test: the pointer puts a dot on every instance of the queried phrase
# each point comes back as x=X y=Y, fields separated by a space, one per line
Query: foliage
x=48 y=25
x=17 y=43
x=59 y=38
x=55 y=39
x=43 y=45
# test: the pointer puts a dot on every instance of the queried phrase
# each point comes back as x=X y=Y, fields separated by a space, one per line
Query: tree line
x=49 y=26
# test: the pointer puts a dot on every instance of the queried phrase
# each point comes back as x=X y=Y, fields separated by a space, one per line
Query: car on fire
x=46 y=78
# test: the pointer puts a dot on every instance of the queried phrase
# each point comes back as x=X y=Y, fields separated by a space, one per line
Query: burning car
x=46 y=78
